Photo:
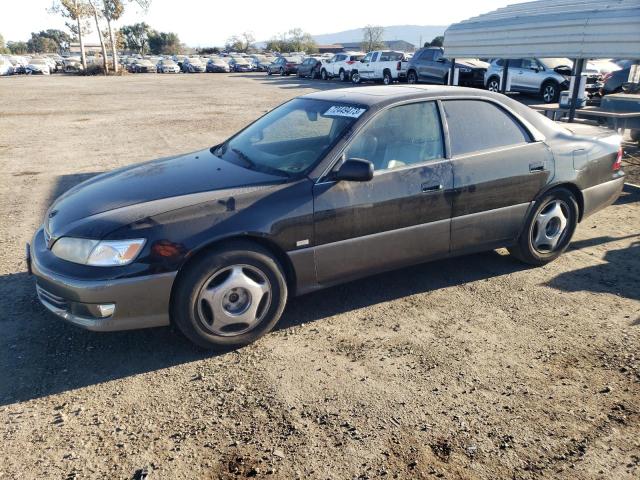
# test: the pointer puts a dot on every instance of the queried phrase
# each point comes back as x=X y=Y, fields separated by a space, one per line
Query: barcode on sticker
x=342 y=111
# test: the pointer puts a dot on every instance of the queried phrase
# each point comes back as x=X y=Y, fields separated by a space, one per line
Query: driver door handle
x=426 y=188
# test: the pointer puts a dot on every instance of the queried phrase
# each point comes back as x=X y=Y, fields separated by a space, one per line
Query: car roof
x=380 y=95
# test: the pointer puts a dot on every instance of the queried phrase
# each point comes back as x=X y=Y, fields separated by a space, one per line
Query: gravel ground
x=477 y=367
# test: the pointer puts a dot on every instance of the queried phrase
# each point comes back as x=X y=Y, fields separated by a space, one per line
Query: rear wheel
x=343 y=76
x=355 y=77
x=549 y=228
x=230 y=296
x=412 y=77
x=324 y=75
x=550 y=92
x=386 y=78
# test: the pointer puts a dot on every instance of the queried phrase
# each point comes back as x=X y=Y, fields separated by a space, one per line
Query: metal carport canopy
x=550 y=28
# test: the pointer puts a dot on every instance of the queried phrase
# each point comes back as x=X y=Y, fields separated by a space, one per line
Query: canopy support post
x=577 y=77
x=505 y=76
x=452 y=72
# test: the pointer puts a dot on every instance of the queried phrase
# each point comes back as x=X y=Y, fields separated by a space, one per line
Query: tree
x=41 y=44
x=112 y=10
x=62 y=39
x=372 y=38
x=295 y=40
x=76 y=11
x=240 y=43
x=3 y=47
x=136 y=37
x=436 y=42
x=17 y=48
x=162 y=43
x=97 y=13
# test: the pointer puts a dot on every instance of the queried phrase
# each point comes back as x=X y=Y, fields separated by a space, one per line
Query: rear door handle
x=431 y=188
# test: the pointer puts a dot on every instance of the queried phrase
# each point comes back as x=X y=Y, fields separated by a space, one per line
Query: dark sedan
x=326 y=188
x=284 y=66
x=310 y=67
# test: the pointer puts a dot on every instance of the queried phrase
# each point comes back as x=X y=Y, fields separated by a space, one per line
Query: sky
x=208 y=22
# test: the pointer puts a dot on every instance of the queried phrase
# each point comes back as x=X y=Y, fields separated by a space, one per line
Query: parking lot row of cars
x=546 y=77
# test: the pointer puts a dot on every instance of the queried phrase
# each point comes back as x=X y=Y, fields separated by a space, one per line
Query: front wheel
x=355 y=77
x=550 y=92
x=387 y=79
x=412 y=77
x=230 y=297
x=493 y=85
x=548 y=229
x=343 y=76
x=324 y=75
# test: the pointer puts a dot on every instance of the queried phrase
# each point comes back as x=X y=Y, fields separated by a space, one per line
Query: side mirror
x=441 y=60
x=355 y=170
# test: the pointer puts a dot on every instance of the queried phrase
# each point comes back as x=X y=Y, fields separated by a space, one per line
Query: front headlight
x=106 y=253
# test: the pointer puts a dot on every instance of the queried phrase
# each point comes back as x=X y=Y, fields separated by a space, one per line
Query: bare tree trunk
x=114 y=50
x=105 y=66
x=83 y=55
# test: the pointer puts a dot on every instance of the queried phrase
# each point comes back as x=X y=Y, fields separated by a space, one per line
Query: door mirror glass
x=355 y=170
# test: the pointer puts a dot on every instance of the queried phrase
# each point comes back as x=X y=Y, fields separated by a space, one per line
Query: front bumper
x=140 y=302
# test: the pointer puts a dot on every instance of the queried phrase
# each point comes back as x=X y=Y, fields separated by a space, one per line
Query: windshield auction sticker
x=343 y=111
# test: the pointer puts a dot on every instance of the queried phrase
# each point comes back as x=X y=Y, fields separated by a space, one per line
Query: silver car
x=546 y=77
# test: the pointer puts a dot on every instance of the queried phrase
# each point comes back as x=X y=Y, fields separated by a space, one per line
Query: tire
x=324 y=75
x=387 y=79
x=635 y=135
x=550 y=92
x=355 y=77
x=269 y=72
x=493 y=85
x=344 y=77
x=535 y=248
x=231 y=264
x=412 y=77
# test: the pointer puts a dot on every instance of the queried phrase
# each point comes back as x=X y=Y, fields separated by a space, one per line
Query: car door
x=517 y=75
x=423 y=65
x=336 y=63
x=498 y=170
x=363 y=67
x=530 y=76
x=402 y=215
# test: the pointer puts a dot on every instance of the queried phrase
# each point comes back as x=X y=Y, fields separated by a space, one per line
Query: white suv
x=340 y=65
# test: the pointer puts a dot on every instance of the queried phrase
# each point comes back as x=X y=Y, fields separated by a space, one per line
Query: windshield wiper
x=241 y=155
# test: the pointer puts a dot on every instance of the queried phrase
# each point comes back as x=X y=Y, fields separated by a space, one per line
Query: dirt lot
x=471 y=368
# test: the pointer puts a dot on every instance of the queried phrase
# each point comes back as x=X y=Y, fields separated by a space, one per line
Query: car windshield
x=556 y=62
x=291 y=139
x=169 y=63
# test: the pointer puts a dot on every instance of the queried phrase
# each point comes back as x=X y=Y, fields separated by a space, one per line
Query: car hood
x=472 y=63
x=128 y=194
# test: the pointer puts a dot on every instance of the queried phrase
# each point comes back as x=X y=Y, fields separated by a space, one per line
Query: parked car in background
x=6 y=67
x=340 y=65
x=38 y=66
x=310 y=67
x=19 y=64
x=428 y=65
x=74 y=65
x=217 y=65
x=285 y=65
x=612 y=82
x=142 y=65
x=603 y=66
x=546 y=77
x=193 y=65
x=326 y=188
x=167 y=66
x=261 y=62
x=240 y=64
x=380 y=65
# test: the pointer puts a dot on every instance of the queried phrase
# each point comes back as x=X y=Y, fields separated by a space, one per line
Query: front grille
x=53 y=300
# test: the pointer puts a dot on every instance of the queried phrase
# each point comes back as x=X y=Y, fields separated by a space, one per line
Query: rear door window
x=476 y=125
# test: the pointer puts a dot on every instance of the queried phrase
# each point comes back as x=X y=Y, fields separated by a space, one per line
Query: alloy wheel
x=549 y=93
x=494 y=86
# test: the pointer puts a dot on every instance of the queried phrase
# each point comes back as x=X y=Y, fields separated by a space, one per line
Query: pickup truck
x=385 y=65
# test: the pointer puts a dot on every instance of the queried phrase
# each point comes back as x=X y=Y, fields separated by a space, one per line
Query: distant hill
x=410 y=33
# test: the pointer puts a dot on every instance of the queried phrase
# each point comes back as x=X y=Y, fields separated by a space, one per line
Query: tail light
x=289 y=65
x=350 y=62
x=617 y=165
